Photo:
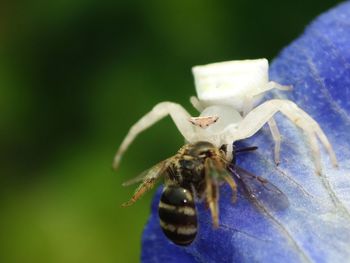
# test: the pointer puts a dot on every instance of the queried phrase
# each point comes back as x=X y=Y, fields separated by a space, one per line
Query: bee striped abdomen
x=177 y=215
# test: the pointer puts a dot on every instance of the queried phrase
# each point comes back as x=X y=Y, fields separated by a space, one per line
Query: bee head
x=194 y=157
x=202 y=150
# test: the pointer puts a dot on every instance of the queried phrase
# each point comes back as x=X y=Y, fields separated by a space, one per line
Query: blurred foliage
x=74 y=75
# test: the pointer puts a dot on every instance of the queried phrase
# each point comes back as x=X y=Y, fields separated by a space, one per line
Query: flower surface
x=316 y=226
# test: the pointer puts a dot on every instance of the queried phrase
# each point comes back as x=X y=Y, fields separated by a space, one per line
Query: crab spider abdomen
x=231 y=83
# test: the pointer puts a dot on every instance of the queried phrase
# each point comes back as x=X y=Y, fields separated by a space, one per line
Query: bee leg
x=212 y=197
x=140 y=190
x=231 y=182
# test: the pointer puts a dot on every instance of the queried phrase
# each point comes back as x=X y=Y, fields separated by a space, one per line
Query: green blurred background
x=74 y=75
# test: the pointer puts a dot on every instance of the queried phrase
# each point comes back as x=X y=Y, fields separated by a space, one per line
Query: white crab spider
x=227 y=93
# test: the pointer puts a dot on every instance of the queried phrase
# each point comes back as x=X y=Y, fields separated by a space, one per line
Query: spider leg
x=264 y=112
x=249 y=99
x=248 y=104
x=270 y=86
x=178 y=114
x=229 y=151
x=196 y=104
x=276 y=138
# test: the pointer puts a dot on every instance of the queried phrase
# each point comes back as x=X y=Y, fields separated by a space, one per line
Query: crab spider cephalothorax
x=227 y=95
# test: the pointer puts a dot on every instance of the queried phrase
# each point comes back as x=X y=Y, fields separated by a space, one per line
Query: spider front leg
x=178 y=114
x=264 y=112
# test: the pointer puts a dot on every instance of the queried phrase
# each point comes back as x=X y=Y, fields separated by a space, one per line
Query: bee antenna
x=246 y=149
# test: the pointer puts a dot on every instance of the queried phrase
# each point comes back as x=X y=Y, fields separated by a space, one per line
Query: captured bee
x=195 y=173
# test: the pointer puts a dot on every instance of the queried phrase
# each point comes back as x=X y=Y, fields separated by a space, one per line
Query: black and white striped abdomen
x=177 y=215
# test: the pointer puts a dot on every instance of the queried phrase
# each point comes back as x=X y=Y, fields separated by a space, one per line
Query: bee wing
x=151 y=173
x=260 y=191
x=138 y=178
x=149 y=178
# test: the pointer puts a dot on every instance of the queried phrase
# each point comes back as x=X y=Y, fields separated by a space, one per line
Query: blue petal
x=316 y=226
